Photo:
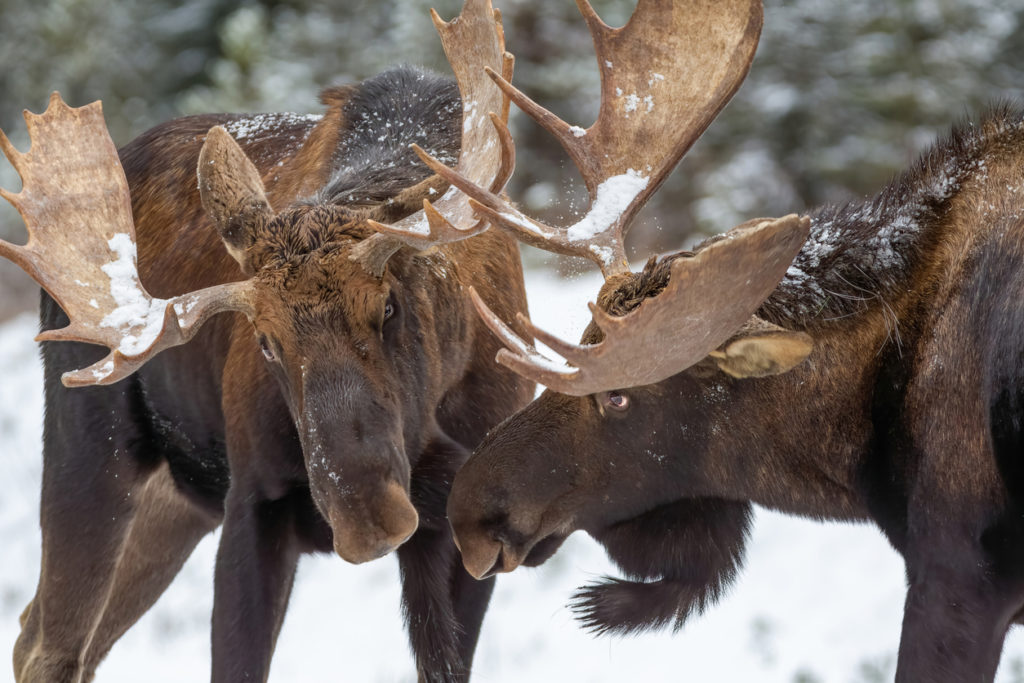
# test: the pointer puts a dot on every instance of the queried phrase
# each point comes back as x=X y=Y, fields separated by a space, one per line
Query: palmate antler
x=474 y=43
x=699 y=309
x=665 y=75
x=81 y=246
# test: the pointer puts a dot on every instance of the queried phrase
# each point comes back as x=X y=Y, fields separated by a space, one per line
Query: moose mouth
x=543 y=549
x=506 y=559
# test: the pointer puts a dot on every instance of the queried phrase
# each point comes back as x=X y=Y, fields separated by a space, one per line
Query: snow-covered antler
x=474 y=43
x=708 y=297
x=665 y=75
x=81 y=246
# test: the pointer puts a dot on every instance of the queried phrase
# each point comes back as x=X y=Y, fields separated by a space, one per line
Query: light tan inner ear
x=762 y=349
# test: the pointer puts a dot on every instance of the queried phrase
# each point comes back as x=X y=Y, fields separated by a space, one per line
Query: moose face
x=563 y=463
x=329 y=334
x=593 y=462
x=343 y=342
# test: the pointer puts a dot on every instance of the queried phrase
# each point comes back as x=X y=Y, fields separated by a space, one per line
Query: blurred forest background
x=841 y=94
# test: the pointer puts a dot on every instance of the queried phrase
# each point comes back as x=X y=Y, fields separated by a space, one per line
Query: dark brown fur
x=293 y=455
x=907 y=413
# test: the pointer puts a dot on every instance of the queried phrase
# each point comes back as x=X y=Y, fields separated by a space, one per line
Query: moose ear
x=232 y=194
x=761 y=349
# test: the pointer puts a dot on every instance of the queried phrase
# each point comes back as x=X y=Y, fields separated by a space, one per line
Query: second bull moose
x=865 y=363
x=330 y=412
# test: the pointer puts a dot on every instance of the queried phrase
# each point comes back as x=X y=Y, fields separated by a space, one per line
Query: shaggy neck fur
x=864 y=253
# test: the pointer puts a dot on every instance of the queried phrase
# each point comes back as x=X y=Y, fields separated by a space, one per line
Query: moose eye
x=389 y=311
x=615 y=400
x=265 y=347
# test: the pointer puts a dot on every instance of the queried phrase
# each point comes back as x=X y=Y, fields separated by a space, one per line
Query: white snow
x=604 y=253
x=184 y=306
x=137 y=317
x=468 y=114
x=816 y=602
x=613 y=197
x=103 y=371
x=577 y=131
x=262 y=125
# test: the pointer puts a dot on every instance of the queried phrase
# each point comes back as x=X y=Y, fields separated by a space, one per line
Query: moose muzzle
x=368 y=527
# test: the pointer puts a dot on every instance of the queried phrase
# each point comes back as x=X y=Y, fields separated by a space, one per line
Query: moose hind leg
x=163 y=534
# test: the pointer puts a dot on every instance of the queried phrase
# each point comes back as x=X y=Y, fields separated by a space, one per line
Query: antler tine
x=81 y=246
x=708 y=297
x=521 y=356
x=665 y=75
x=472 y=41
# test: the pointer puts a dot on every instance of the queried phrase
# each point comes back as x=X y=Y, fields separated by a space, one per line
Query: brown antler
x=708 y=297
x=81 y=246
x=472 y=41
x=665 y=75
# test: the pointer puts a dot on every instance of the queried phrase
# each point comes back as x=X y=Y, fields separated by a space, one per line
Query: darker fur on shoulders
x=863 y=253
x=383 y=116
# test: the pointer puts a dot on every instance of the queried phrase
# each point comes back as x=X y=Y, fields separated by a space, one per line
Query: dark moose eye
x=389 y=310
x=268 y=352
x=616 y=400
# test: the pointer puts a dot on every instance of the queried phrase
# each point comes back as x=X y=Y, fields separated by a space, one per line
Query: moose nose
x=483 y=556
x=480 y=558
x=388 y=523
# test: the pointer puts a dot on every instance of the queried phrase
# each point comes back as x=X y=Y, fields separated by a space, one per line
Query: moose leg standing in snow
x=338 y=425
x=875 y=377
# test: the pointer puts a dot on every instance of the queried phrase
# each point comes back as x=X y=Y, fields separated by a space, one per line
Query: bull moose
x=331 y=413
x=861 y=363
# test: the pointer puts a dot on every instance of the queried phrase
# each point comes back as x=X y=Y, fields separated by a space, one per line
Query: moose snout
x=483 y=556
x=483 y=534
x=367 y=528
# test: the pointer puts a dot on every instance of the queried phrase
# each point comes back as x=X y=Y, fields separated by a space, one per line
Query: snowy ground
x=817 y=603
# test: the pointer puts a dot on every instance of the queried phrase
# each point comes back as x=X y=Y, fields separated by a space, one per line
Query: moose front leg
x=93 y=463
x=443 y=605
x=256 y=564
x=163 y=534
x=956 y=615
